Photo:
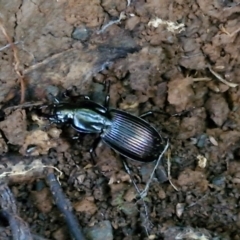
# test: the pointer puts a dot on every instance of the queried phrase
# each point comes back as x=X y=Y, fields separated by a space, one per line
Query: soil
x=182 y=57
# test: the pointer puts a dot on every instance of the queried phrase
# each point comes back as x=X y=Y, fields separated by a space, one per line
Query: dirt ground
x=157 y=54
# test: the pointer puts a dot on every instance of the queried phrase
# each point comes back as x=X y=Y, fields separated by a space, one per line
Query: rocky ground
x=158 y=55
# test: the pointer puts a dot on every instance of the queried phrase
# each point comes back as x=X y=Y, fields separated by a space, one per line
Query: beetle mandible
x=127 y=134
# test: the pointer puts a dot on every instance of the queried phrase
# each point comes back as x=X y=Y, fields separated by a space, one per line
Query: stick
x=146 y=217
x=230 y=84
x=65 y=207
x=169 y=170
x=19 y=228
x=17 y=62
x=145 y=191
x=121 y=17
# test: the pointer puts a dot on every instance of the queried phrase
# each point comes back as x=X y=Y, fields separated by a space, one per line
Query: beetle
x=127 y=134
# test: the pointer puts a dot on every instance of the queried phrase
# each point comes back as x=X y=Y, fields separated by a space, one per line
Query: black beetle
x=129 y=135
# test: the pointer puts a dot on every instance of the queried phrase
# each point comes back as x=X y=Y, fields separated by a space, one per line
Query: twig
x=19 y=228
x=139 y=193
x=8 y=45
x=233 y=5
x=145 y=191
x=15 y=168
x=121 y=17
x=201 y=79
x=65 y=207
x=223 y=29
x=222 y=79
x=46 y=61
x=17 y=62
x=199 y=200
x=169 y=170
x=24 y=105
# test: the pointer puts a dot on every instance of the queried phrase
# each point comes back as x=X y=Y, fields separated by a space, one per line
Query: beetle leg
x=85 y=97
x=149 y=113
x=71 y=93
x=146 y=114
x=106 y=103
x=107 y=89
x=93 y=148
x=183 y=113
x=55 y=100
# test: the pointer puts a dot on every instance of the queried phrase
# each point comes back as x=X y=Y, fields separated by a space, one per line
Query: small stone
x=219 y=180
x=100 y=231
x=161 y=194
x=61 y=234
x=42 y=200
x=132 y=22
x=54 y=132
x=130 y=209
x=80 y=33
x=85 y=206
x=213 y=141
x=130 y=195
x=202 y=141
x=180 y=209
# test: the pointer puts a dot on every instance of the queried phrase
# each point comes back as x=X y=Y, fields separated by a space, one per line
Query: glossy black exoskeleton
x=129 y=135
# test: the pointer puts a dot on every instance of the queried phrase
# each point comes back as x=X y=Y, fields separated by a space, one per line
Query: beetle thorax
x=64 y=114
x=91 y=121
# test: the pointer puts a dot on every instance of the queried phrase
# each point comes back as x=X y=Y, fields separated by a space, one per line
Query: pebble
x=100 y=231
x=80 y=33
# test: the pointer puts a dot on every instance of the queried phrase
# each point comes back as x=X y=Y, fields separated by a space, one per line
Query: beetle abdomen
x=133 y=137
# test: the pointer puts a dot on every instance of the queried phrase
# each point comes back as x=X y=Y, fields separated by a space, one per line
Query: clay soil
x=158 y=55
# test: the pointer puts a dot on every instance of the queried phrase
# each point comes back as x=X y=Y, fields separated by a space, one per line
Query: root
x=121 y=17
x=17 y=62
x=15 y=169
x=169 y=170
x=19 y=228
x=222 y=79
